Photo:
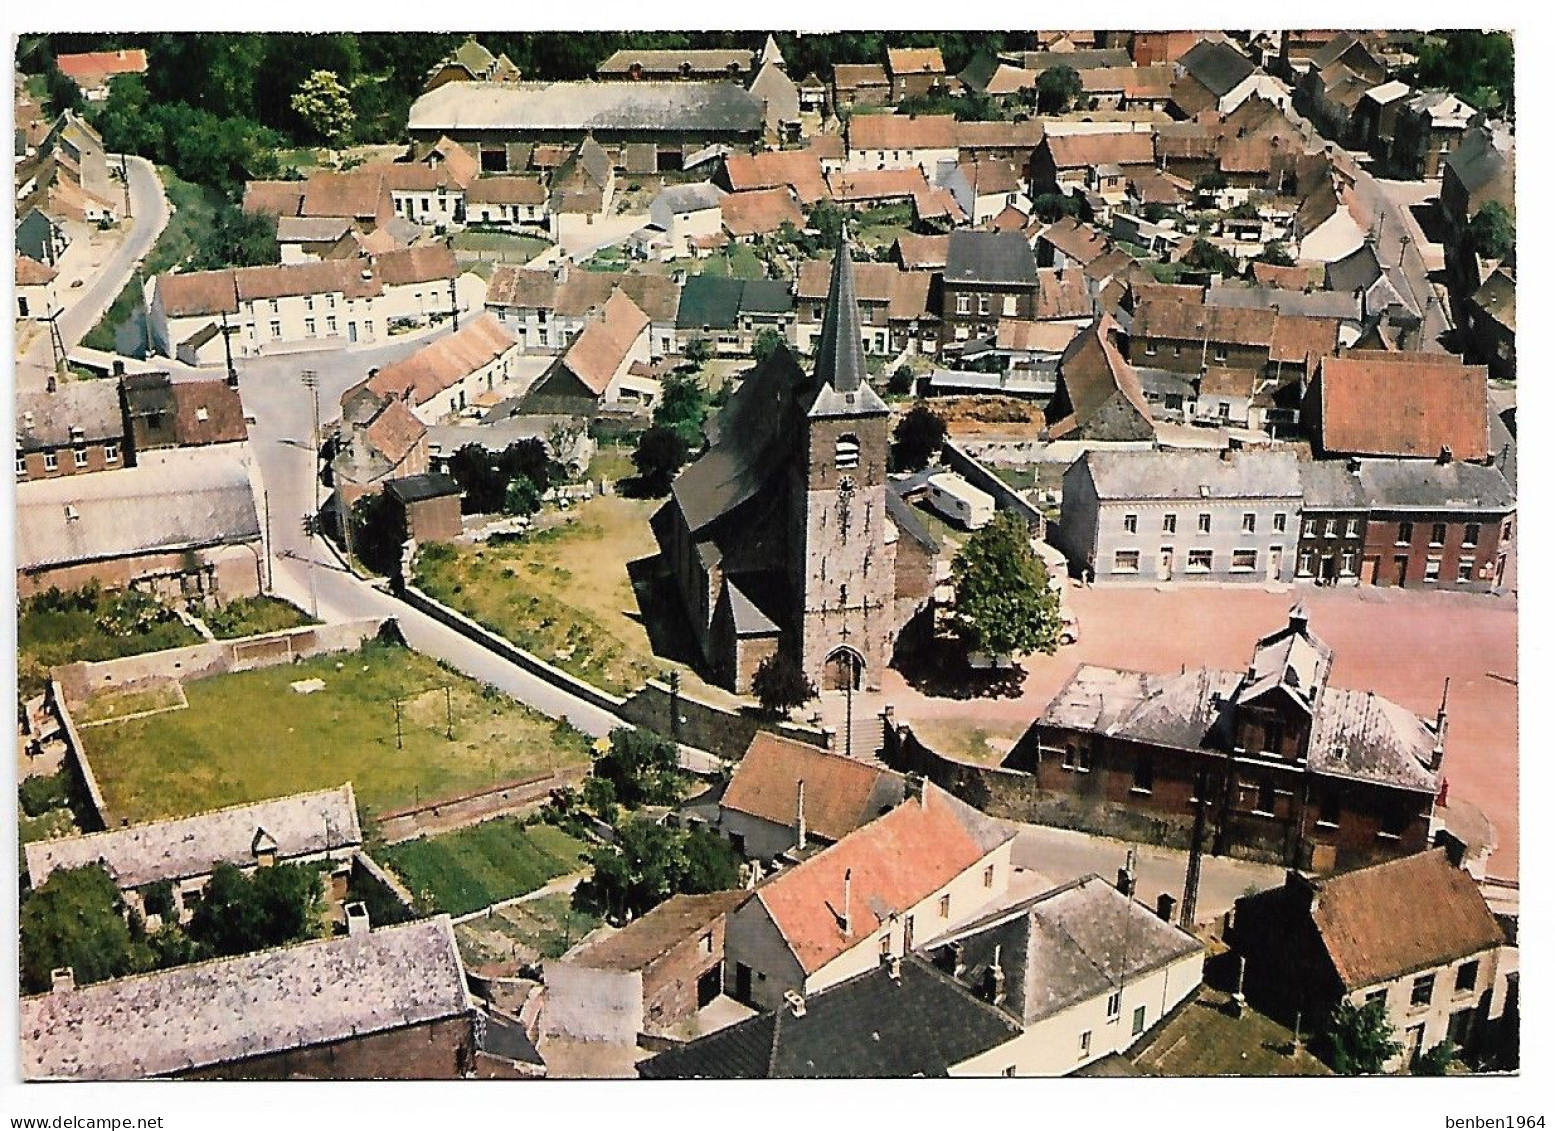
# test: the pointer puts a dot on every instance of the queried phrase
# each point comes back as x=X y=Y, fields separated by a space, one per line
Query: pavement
x=84 y=306
x=1401 y=643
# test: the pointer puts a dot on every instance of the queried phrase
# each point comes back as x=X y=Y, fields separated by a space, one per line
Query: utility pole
x=1190 y=890
x=56 y=347
x=269 y=547
x=310 y=380
x=310 y=527
x=448 y=702
x=226 y=341
x=124 y=172
x=399 y=730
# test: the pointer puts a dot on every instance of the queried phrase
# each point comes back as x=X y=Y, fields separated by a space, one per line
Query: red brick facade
x=1418 y=550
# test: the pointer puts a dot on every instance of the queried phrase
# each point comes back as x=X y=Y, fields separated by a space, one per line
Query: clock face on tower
x=846 y=485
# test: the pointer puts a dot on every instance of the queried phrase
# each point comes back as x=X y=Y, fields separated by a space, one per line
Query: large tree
x=1004 y=606
x=1492 y=231
x=644 y=767
x=780 y=684
x=683 y=406
x=238 y=239
x=661 y=452
x=238 y=913
x=1057 y=89
x=1358 y=1041
x=378 y=533
x=917 y=438
x=650 y=862
x=481 y=482
x=323 y=103
x=76 y=919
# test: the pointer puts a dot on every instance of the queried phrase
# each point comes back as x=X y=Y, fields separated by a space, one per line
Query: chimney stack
x=799 y=816
x=62 y=979
x=1126 y=875
x=1165 y=904
x=958 y=954
x=357 y=921
x=894 y=967
x=1439 y=749
x=847 y=902
x=997 y=970
x=795 y=1002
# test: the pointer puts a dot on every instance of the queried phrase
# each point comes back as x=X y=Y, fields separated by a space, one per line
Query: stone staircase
x=868 y=735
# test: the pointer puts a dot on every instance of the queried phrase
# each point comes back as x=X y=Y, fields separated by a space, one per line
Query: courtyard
x=1398 y=643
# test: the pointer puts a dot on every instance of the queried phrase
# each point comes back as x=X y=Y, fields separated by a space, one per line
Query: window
x=1377 y=997
x=944 y=906
x=1347 y=564
x=1201 y=561
x=1309 y=528
x=1279 y=522
x=1433 y=570
x=1223 y=409
x=1406 y=533
x=275 y=307
x=1249 y=523
x=1471 y=534
x=330 y=323
x=1169 y=524
x=1149 y=349
x=1009 y=306
x=705 y=944
x=1009 y=1070
x=1328 y=807
x=79 y=455
x=1125 y=561
x=1264 y=803
x=1220 y=353
x=1204 y=523
x=1077 y=757
x=1304 y=564
x=50 y=461
x=1424 y=986
x=1139 y=1020
x=1244 y=561
x=1506 y=530
x=307 y=302
x=982 y=304
x=1465 y=569
x=1144 y=774
x=1130 y=523
x=275 y=327
x=1114 y=1005
x=367 y=328
x=988 y=876
x=1330 y=527
x=1352 y=528
x=885 y=945
x=1394 y=822
x=1468 y=977
x=963 y=304
x=1085 y=1044
x=1438 y=533
x=847 y=450
x=310 y=326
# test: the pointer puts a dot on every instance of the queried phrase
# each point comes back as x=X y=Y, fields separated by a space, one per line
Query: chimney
x=62 y=980
x=1126 y=875
x=357 y=921
x=1354 y=464
x=1439 y=749
x=799 y=816
x=795 y=1002
x=958 y=958
x=1445 y=456
x=915 y=788
x=997 y=970
x=893 y=965
x=1165 y=904
x=847 y=902
x=1238 y=1001
x=1298 y=617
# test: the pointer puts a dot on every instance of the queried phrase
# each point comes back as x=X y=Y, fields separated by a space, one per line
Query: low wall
x=1005 y=496
x=75 y=764
x=715 y=729
x=79 y=681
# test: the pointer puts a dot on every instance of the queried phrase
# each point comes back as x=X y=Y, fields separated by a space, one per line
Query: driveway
x=85 y=306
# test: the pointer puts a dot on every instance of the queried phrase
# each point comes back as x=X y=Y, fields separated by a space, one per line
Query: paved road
x=86 y=306
x=308 y=574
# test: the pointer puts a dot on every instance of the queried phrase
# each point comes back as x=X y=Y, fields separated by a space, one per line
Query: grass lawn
x=503 y=247
x=250 y=616
x=188 y=227
x=987 y=745
x=89 y=625
x=564 y=593
x=545 y=927
x=472 y=868
x=301 y=158
x=612 y=462
x=247 y=736
x=164 y=695
x=738 y=260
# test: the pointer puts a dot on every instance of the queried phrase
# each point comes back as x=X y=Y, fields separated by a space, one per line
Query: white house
x=507 y=202
x=681 y=214
x=35 y=297
x=444 y=377
x=900 y=141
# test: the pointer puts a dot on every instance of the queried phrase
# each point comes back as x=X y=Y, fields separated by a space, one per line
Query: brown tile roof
x=198 y=292
x=644 y=941
x=1073 y=151
x=274 y=198
x=1151 y=187
x=1152 y=82
x=910 y=296
x=827 y=146
x=876 y=184
x=1186 y=141
x=353 y=278
x=921 y=252
x=657 y=296
x=1221 y=381
x=1040 y=337
x=799 y=170
x=598 y=351
x=1078 y=241
x=413 y=176
x=1431 y=402
x=988 y=177
x=1287 y=278
x=1175 y=320
x=31 y=273
x=526 y=288
x=902 y=131
x=906 y=293
x=92 y=67
x=1257 y=154
x=439 y=366
x=895 y=862
x=1190 y=96
x=1000 y=135
x=1299 y=339
x=506 y=190
x=395 y=431
x=938 y=204
x=1108 y=264
x=416 y=265
x=1061 y=294
x=760 y=211
x=1008 y=79
x=550 y=156
x=851 y=76
x=358 y=194
x=841 y=794
x=220 y=406
x=459 y=161
x=1392 y=919
x=914 y=61
x=1094 y=370
x=1010 y=219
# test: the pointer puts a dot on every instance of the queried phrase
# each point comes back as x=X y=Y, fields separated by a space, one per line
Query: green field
x=739 y=260
x=250 y=616
x=544 y=927
x=248 y=736
x=473 y=868
x=499 y=247
x=87 y=624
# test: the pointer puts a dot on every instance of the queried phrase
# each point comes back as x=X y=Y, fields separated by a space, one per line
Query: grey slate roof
x=690 y=198
x=922 y=1024
x=1337 y=303
x=1361 y=735
x=230 y=1009
x=1410 y=484
x=990 y=257
x=304 y=824
x=1217 y=65
x=839 y=351
x=1073 y=944
x=1330 y=485
x=748 y=619
x=187 y=498
x=418 y=488
x=717 y=303
x=1479 y=159
x=697 y=107
x=45 y=420
x=1123 y=475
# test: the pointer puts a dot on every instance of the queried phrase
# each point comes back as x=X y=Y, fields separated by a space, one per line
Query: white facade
x=1423 y=1005
x=440 y=207
x=927 y=159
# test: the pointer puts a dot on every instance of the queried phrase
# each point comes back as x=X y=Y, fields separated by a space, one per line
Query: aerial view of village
x=728 y=555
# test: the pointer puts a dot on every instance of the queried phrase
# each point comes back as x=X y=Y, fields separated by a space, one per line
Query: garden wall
x=1005 y=496
x=714 y=729
x=76 y=765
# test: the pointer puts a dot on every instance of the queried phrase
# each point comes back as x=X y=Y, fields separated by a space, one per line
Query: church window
x=847 y=450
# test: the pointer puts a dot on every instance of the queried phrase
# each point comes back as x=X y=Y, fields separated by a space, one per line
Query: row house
x=1133 y=517
x=1442 y=525
x=894 y=308
x=1274 y=762
x=797 y=170
x=79 y=428
x=705 y=63
x=1124 y=88
x=859 y=84
x=545 y=308
x=1376 y=117
x=508 y=202
x=1480 y=170
x=1072 y=163
x=1428 y=128
x=988 y=276
x=68 y=179
x=601 y=365
x=731 y=313
x=448 y=375
x=900 y=141
x=1334 y=510
x=317 y=305
x=1172 y=331
x=914 y=71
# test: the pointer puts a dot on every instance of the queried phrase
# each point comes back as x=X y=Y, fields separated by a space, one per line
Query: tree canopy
x=323 y=103
x=1493 y=231
x=1358 y=1041
x=378 y=533
x=1206 y=256
x=238 y=239
x=780 y=684
x=644 y=768
x=238 y=913
x=1004 y=606
x=661 y=452
x=918 y=436
x=1057 y=89
x=1477 y=66
x=683 y=406
x=76 y=919
x=650 y=862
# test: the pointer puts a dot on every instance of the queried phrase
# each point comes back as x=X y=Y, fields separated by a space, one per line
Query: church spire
x=839 y=359
x=770 y=52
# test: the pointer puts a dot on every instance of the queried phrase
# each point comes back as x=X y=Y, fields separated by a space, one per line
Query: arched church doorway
x=843 y=671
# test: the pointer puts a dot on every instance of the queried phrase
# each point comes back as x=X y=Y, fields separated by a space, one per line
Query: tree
x=531 y=459
x=378 y=533
x=1211 y=182
x=918 y=436
x=1276 y=254
x=901 y=381
x=781 y=685
x=76 y=919
x=1493 y=231
x=1206 y=256
x=683 y=407
x=1057 y=89
x=238 y=239
x=1434 y=1061
x=661 y=452
x=482 y=484
x=827 y=220
x=324 y=104
x=644 y=767
x=63 y=93
x=766 y=344
x=1004 y=606
x=1051 y=206
x=522 y=497
x=650 y=862
x=699 y=351
x=1358 y=1041
x=1476 y=66
x=237 y=914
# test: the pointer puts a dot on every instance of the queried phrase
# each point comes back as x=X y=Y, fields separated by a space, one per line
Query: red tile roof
x=359 y=194
x=439 y=366
x=877 y=184
x=93 y=67
x=799 y=170
x=914 y=61
x=919 y=252
x=598 y=352
x=1061 y=294
x=642 y=942
x=207 y=412
x=1301 y=339
x=1431 y=402
x=1073 y=151
x=760 y=212
x=395 y=431
x=31 y=273
x=506 y=190
x=274 y=198
x=902 y=131
x=838 y=790
x=424 y=264
x=198 y=292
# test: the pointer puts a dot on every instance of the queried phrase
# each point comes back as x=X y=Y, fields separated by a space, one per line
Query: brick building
x=1446 y=525
x=1278 y=763
x=988 y=276
x=431 y=505
x=74 y=430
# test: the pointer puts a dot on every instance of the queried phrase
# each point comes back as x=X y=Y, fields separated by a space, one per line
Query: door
x=1414 y=1037
x=1276 y=561
x=710 y=985
x=907 y=936
x=843 y=671
x=1164 y=567
x=350 y=331
x=1369 y=570
x=742 y=983
x=1327 y=571
x=1400 y=568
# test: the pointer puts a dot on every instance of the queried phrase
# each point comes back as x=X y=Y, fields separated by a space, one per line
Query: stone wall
x=78 y=767
x=1005 y=497
x=714 y=729
x=436 y=1050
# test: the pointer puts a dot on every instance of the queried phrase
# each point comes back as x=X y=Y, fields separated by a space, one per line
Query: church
x=785 y=535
